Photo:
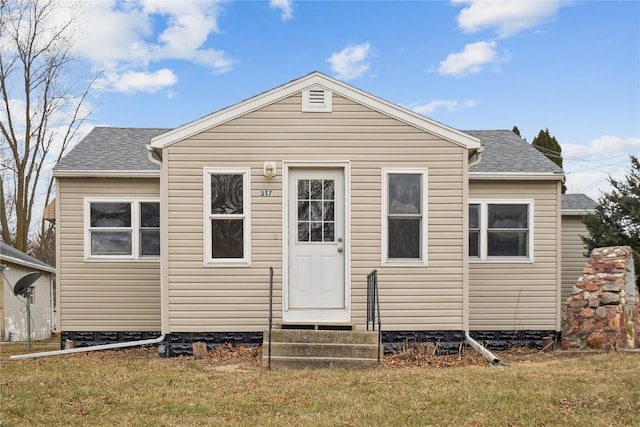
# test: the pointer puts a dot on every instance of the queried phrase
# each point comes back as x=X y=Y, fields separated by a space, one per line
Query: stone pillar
x=603 y=311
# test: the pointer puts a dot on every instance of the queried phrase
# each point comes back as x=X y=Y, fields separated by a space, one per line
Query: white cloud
x=141 y=81
x=471 y=59
x=588 y=167
x=285 y=6
x=449 y=104
x=124 y=38
x=605 y=145
x=505 y=17
x=350 y=62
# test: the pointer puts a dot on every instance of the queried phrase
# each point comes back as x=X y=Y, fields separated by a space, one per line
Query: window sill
x=122 y=259
x=503 y=260
x=408 y=263
x=227 y=264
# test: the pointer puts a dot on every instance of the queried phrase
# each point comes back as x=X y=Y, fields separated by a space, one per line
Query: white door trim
x=320 y=316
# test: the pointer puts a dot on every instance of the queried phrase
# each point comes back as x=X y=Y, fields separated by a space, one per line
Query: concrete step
x=292 y=348
x=318 y=362
x=314 y=336
x=331 y=350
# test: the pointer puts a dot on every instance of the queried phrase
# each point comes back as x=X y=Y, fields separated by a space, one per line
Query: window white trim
x=209 y=261
x=135 y=229
x=484 y=226
x=423 y=261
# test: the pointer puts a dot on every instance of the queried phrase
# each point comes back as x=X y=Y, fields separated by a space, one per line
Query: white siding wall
x=103 y=295
x=15 y=317
x=514 y=295
x=236 y=299
x=573 y=250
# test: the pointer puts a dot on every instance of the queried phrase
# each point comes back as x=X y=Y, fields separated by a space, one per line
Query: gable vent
x=316 y=99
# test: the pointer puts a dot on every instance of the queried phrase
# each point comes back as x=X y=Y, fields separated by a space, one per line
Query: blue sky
x=572 y=67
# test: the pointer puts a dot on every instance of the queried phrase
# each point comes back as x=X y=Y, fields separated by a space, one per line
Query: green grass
x=139 y=389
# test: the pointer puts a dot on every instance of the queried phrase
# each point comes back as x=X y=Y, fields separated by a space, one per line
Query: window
x=227 y=219
x=501 y=230
x=149 y=229
x=404 y=214
x=122 y=229
x=474 y=230
x=316 y=210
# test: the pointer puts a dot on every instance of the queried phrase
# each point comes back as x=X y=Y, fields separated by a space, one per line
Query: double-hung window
x=227 y=218
x=501 y=230
x=404 y=213
x=122 y=229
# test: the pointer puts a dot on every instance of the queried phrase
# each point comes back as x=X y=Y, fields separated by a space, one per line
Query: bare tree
x=41 y=110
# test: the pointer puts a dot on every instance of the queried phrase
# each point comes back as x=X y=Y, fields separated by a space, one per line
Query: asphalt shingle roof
x=124 y=149
x=577 y=202
x=504 y=151
x=7 y=251
x=110 y=148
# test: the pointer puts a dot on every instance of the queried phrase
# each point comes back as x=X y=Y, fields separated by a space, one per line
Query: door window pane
x=316 y=210
x=328 y=189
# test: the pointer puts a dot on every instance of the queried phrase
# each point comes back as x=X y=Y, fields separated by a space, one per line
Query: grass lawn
x=132 y=388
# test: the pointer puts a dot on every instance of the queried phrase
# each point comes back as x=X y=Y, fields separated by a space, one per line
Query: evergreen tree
x=616 y=220
x=549 y=146
x=516 y=130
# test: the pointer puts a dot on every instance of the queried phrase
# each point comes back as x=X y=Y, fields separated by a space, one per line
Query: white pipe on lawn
x=480 y=349
x=91 y=348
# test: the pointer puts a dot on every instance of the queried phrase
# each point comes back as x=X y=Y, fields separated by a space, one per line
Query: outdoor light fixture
x=269 y=169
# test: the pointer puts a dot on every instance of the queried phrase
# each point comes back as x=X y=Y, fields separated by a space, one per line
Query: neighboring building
x=574 y=252
x=173 y=230
x=14 y=264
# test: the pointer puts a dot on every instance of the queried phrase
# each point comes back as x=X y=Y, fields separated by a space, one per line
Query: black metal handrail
x=270 y=315
x=373 y=306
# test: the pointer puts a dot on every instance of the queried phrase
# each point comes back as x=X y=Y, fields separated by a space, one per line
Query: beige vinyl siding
x=103 y=295
x=518 y=295
x=236 y=299
x=573 y=250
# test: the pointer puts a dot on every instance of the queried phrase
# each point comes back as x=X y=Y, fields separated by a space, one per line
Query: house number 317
x=265 y=193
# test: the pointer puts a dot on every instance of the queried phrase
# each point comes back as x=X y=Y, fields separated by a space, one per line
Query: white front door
x=316 y=230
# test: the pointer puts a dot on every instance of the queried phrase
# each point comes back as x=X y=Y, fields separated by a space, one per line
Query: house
x=14 y=264
x=171 y=232
x=574 y=252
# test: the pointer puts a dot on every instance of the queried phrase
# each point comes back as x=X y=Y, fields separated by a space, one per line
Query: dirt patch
x=239 y=358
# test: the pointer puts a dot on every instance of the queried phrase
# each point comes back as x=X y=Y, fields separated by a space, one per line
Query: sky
x=572 y=67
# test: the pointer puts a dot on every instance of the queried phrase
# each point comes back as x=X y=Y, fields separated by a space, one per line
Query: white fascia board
x=315 y=79
x=577 y=212
x=107 y=174
x=516 y=176
x=27 y=264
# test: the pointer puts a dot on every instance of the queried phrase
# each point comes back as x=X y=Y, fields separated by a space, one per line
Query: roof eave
x=106 y=173
x=517 y=176
x=577 y=212
x=281 y=92
x=24 y=263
